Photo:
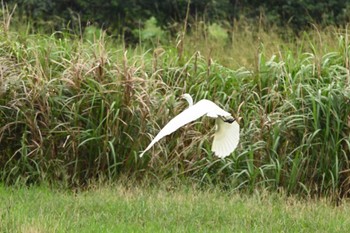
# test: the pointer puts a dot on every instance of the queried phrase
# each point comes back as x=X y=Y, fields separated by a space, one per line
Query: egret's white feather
x=201 y=108
x=226 y=138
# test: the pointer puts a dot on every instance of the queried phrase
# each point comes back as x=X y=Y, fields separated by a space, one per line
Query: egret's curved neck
x=189 y=99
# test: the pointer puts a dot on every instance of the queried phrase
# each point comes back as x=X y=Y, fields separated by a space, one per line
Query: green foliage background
x=76 y=107
x=119 y=16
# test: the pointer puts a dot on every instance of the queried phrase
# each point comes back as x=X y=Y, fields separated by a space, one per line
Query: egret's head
x=188 y=98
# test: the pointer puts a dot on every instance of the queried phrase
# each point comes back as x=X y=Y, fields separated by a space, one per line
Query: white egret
x=226 y=136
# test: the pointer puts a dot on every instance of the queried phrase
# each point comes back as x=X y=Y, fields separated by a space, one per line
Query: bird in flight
x=226 y=135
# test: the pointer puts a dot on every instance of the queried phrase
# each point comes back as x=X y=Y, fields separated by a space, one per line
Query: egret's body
x=226 y=136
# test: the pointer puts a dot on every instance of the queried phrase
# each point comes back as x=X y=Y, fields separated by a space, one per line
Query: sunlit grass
x=146 y=209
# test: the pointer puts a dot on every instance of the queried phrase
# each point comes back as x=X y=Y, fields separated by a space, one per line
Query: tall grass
x=75 y=108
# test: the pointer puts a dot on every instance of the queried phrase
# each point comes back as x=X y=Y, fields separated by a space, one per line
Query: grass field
x=77 y=109
x=120 y=209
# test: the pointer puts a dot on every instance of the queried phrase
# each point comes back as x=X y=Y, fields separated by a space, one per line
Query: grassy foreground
x=121 y=209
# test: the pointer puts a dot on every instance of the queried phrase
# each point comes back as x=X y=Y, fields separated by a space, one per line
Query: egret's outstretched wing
x=226 y=138
x=203 y=107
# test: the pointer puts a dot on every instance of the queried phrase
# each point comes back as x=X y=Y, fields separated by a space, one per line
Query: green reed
x=74 y=109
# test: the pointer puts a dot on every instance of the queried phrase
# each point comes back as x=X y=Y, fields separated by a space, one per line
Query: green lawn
x=117 y=209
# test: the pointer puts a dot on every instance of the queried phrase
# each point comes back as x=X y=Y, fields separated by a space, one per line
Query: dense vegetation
x=80 y=107
x=119 y=16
